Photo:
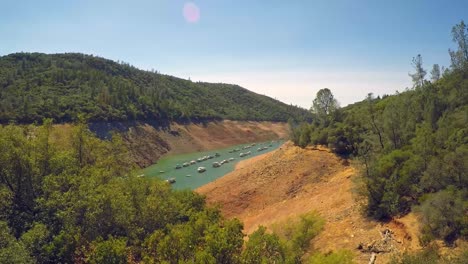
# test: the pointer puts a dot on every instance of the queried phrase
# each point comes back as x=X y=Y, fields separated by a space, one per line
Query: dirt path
x=291 y=181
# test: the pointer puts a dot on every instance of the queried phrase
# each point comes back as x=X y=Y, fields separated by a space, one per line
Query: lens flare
x=191 y=12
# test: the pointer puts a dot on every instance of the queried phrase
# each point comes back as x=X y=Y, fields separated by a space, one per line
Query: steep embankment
x=292 y=181
x=147 y=143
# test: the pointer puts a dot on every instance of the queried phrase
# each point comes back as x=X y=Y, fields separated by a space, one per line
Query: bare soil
x=292 y=181
x=147 y=143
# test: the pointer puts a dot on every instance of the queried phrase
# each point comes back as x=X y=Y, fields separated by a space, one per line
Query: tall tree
x=372 y=113
x=435 y=73
x=460 y=36
x=324 y=106
x=420 y=73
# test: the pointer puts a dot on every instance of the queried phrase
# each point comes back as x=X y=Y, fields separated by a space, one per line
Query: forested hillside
x=413 y=145
x=73 y=198
x=34 y=86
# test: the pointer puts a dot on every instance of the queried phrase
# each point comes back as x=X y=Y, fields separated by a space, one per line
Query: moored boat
x=171 y=180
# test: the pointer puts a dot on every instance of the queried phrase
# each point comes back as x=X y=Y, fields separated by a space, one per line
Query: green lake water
x=190 y=178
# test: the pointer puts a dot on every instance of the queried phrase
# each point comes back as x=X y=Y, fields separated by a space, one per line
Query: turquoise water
x=189 y=178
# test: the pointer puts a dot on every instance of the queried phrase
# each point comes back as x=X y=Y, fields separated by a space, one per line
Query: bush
x=430 y=255
x=339 y=257
x=443 y=215
x=263 y=248
x=296 y=234
x=112 y=251
x=11 y=250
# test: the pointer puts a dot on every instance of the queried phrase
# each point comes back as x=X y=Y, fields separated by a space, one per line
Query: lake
x=189 y=178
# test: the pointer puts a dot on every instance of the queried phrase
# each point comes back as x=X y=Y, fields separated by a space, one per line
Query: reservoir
x=187 y=177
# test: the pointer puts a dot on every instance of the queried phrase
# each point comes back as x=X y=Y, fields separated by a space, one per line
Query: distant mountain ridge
x=34 y=86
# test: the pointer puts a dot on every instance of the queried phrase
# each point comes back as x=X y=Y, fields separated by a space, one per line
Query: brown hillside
x=148 y=143
x=292 y=181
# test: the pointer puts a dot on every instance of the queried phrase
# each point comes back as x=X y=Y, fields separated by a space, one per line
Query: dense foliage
x=34 y=86
x=430 y=255
x=69 y=197
x=414 y=148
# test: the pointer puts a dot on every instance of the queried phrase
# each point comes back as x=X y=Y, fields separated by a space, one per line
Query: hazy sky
x=285 y=49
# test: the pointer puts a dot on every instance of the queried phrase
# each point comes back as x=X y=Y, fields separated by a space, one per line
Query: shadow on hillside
x=104 y=129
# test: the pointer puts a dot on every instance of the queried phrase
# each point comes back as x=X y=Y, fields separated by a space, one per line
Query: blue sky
x=285 y=49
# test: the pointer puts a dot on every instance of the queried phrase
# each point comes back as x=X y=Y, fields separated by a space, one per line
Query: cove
x=189 y=178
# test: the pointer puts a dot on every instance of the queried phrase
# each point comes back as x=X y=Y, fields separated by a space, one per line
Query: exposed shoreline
x=148 y=144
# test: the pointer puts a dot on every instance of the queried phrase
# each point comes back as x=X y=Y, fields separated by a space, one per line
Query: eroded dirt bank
x=148 y=143
x=292 y=181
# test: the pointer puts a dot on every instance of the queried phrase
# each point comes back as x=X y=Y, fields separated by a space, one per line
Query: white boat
x=192 y=162
x=201 y=169
x=171 y=180
x=216 y=164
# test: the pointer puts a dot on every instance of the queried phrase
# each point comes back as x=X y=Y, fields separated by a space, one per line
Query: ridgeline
x=34 y=86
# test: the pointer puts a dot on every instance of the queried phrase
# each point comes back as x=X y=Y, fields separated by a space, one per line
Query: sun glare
x=191 y=12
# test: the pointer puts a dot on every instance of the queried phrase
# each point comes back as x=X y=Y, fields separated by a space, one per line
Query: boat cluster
x=262 y=148
x=218 y=164
x=192 y=162
x=243 y=148
x=243 y=154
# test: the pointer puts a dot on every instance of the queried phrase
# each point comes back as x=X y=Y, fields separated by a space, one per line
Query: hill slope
x=34 y=86
x=147 y=143
x=413 y=146
x=284 y=184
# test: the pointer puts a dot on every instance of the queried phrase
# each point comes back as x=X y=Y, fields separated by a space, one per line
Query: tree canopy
x=67 y=196
x=324 y=105
x=34 y=86
x=413 y=147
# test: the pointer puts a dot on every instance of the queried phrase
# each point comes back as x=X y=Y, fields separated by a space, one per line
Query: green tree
x=443 y=215
x=373 y=118
x=11 y=250
x=263 y=248
x=324 y=106
x=435 y=73
x=420 y=73
x=112 y=251
x=460 y=37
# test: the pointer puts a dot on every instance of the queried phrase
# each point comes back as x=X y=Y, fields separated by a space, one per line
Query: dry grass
x=290 y=182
